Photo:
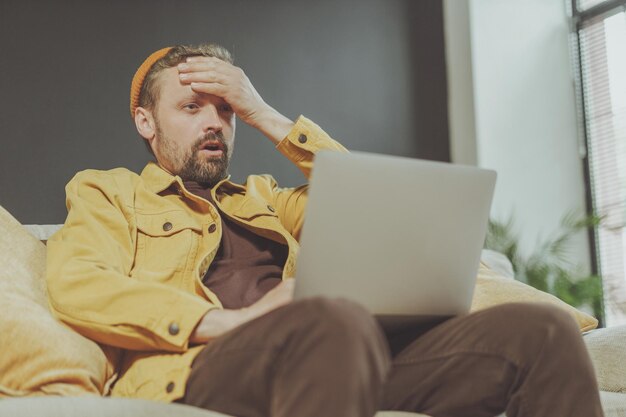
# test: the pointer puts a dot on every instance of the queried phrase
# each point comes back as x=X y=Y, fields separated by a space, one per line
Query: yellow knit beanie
x=140 y=76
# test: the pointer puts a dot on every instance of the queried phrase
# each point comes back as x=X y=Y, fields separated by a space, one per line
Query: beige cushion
x=607 y=348
x=115 y=407
x=492 y=289
x=42 y=231
x=39 y=355
x=97 y=407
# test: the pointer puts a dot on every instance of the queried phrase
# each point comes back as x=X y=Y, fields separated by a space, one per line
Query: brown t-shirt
x=246 y=265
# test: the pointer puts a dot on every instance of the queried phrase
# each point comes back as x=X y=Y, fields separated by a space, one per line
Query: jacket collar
x=157 y=179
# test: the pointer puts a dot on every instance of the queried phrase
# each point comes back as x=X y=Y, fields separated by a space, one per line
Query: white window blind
x=602 y=42
x=587 y=4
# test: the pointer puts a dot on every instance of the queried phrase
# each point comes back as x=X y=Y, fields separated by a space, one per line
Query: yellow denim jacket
x=125 y=270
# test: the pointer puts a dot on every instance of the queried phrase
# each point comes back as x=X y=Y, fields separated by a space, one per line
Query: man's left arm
x=298 y=141
x=300 y=146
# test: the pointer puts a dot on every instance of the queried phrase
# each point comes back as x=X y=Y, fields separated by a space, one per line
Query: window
x=588 y=4
x=599 y=30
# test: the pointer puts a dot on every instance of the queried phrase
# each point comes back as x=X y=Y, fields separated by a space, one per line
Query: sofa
x=77 y=373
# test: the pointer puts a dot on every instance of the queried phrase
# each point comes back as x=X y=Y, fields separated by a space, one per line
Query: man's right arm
x=218 y=322
x=88 y=274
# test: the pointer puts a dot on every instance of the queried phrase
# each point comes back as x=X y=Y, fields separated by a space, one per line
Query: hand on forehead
x=205 y=69
x=211 y=75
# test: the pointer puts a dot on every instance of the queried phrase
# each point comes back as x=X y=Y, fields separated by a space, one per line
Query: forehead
x=172 y=91
x=169 y=85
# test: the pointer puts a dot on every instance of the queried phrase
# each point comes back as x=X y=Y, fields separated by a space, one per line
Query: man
x=188 y=276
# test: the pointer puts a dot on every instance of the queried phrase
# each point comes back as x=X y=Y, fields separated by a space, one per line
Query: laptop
x=400 y=236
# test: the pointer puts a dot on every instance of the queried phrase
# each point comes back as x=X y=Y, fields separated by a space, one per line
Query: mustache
x=210 y=136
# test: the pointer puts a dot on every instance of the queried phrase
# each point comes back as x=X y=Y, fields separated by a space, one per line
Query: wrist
x=215 y=323
x=272 y=124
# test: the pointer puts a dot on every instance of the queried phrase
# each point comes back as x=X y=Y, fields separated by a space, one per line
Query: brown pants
x=323 y=357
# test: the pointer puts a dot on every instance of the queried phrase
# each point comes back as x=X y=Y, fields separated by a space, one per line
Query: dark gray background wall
x=371 y=72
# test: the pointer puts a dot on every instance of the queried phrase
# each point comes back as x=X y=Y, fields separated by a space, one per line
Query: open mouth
x=212 y=147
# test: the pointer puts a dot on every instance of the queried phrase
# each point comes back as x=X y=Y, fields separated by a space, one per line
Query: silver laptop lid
x=401 y=236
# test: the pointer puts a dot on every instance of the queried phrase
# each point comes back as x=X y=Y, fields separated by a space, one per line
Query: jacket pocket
x=165 y=241
x=253 y=209
x=263 y=217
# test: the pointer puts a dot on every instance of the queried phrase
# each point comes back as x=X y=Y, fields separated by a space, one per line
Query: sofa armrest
x=607 y=348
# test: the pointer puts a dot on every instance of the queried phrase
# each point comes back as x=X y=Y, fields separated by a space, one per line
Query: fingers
x=204 y=64
x=205 y=73
x=203 y=76
x=213 y=76
x=208 y=59
x=213 y=88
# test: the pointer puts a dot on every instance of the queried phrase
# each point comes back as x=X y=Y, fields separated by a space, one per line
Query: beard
x=191 y=165
x=205 y=170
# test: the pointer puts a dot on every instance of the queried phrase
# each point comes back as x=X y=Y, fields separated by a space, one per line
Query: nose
x=211 y=119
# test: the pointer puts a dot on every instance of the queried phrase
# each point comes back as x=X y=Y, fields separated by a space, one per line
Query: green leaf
x=549 y=267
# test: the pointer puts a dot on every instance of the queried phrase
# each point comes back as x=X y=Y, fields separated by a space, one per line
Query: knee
x=341 y=320
x=539 y=315
x=535 y=322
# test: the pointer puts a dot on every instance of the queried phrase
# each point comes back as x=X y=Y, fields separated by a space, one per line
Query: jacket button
x=173 y=329
x=170 y=387
x=212 y=228
x=167 y=226
x=302 y=138
x=270 y=208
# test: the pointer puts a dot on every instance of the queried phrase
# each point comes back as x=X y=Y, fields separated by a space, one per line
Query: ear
x=145 y=123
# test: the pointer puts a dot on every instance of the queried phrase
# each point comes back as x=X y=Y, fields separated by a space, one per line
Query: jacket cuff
x=303 y=141
x=177 y=324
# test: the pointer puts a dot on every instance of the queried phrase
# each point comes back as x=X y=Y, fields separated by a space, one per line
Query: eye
x=191 y=106
x=225 y=108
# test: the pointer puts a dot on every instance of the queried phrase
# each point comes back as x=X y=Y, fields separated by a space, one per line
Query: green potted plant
x=549 y=268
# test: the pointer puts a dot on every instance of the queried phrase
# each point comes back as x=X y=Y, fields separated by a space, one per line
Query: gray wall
x=371 y=72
